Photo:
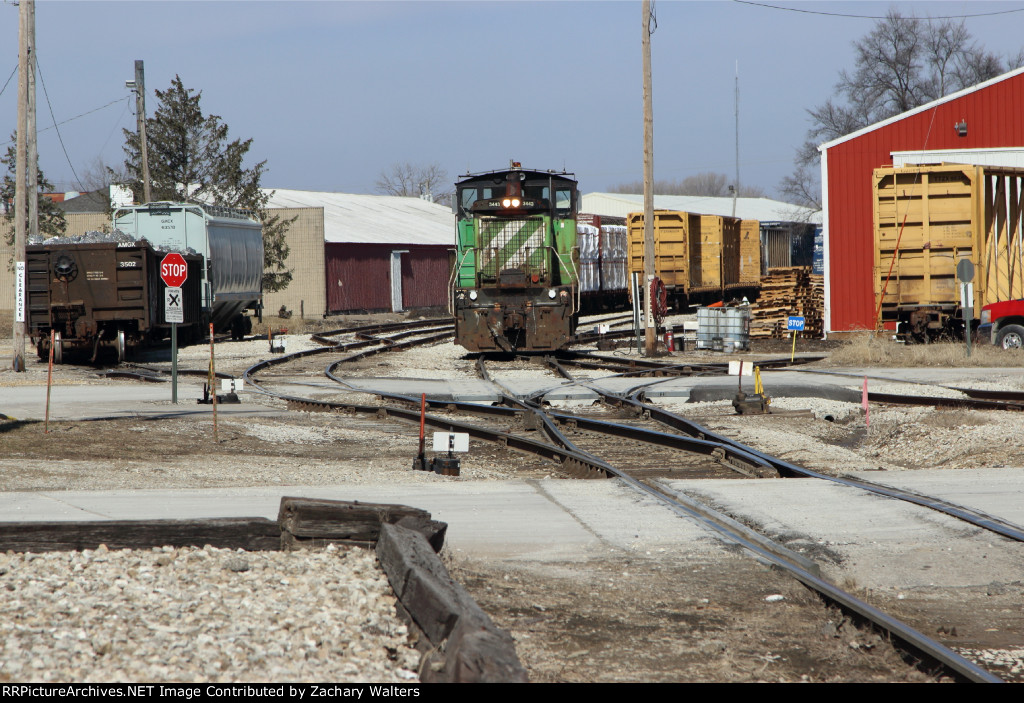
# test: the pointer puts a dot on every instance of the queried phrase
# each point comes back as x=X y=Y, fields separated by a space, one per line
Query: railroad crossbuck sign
x=172 y=305
x=173 y=270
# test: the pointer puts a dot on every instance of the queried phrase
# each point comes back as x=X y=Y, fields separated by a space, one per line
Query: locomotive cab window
x=563 y=201
x=470 y=194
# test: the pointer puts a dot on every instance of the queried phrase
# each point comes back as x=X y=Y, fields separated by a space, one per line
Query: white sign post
x=19 y=292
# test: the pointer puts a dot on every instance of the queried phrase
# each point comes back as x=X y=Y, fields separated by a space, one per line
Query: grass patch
x=879 y=350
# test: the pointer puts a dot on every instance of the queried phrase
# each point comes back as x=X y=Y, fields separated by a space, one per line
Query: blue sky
x=332 y=93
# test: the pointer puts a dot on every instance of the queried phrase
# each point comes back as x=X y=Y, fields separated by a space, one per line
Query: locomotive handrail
x=576 y=276
x=454 y=277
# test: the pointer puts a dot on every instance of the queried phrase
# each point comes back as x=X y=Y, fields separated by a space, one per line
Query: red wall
x=425 y=275
x=994 y=119
x=359 y=276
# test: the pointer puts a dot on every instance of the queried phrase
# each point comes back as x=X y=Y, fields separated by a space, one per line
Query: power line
x=9 y=79
x=59 y=137
x=116 y=125
x=873 y=17
x=72 y=119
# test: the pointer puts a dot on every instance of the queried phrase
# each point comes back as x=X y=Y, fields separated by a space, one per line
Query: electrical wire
x=873 y=17
x=9 y=79
x=39 y=72
x=117 y=124
x=71 y=119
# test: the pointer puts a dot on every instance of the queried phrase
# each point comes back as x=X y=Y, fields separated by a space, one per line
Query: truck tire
x=1011 y=337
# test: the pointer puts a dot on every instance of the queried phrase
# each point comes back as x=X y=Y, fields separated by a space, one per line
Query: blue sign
x=795 y=324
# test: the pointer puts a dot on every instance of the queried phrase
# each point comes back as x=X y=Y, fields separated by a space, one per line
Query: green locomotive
x=515 y=283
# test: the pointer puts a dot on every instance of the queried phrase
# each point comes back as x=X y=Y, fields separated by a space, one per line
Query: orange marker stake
x=213 y=389
x=49 y=382
x=864 y=404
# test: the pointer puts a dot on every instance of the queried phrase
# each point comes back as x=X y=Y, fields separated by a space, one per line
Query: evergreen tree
x=191 y=160
x=51 y=218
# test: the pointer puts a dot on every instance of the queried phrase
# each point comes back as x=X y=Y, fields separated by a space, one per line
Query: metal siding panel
x=425 y=275
x=358 y=277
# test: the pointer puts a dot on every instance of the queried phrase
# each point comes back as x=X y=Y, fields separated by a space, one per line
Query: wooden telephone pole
x=651 y=338
x=25 y=171
x=139 y=86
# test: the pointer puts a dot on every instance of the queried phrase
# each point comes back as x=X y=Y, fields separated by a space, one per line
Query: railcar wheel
x=58 y=349
x=1011 y=337
x=122 y=347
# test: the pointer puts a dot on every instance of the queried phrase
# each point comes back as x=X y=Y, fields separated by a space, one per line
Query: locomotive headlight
x=507 y=202
x=552 y=293
x=472 y=295
x=515 y=202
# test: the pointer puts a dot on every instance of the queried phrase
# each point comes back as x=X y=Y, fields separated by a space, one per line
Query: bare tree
x=413 y=180
x=903 y=62
x=708 y=184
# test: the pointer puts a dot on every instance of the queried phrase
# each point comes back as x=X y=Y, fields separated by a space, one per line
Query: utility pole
x=139 y=86
x=31 y=145
x=26 y=55
x=650 y=340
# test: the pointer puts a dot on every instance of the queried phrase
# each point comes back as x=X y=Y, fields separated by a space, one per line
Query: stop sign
x=173 y=270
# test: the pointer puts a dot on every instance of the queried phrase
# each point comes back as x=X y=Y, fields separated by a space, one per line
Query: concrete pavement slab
x=871 y=540
x=536 y=519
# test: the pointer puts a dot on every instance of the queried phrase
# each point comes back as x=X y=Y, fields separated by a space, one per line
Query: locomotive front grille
x=511 y=244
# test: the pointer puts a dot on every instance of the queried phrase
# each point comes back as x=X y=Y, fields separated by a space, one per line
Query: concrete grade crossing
x=554 y=519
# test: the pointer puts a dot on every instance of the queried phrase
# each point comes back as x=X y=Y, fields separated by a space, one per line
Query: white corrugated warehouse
x=763 y=209
x=373 y=219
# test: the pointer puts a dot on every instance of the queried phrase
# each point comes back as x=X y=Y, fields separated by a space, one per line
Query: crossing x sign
x=173 y=305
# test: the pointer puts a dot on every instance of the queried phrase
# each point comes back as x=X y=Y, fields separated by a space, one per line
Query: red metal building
x=964 y=127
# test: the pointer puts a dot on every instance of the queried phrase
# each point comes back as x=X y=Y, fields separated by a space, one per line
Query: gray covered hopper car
x=231 y=241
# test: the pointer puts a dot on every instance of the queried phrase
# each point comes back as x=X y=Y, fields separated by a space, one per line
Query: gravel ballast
x=201 y=615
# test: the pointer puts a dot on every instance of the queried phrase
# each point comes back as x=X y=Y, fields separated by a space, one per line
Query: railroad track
x=567 y=440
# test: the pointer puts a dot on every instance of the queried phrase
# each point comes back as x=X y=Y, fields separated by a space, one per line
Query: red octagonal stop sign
x=173 y=270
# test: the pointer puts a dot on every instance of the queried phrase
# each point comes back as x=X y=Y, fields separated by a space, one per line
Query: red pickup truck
x=1003 y=324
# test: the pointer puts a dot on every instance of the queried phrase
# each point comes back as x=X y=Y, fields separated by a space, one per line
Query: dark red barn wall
x=359 y=276
x=425 y=275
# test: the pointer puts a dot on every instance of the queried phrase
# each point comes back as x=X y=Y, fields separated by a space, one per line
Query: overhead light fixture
x=961 y=128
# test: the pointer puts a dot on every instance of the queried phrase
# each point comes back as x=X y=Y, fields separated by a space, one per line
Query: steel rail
x=767 y=550
x=788 y=469
x=1014 y=399
x=939 y=402
x=322 y=337
x=911 y=638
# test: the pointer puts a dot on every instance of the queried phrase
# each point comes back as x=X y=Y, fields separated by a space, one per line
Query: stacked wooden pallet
x=788 y=292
